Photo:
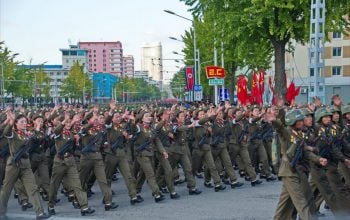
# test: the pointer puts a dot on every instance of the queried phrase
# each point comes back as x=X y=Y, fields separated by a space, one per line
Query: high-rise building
x=106 y=57
x=74 y=54
x=128 y=66
x=336 y=72
x=152 y=60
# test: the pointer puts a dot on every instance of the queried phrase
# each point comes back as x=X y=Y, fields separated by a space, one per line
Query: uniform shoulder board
x=292 y=139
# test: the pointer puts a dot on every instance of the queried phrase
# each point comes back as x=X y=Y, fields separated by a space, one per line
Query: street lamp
x=194 y=44
x=174 y=38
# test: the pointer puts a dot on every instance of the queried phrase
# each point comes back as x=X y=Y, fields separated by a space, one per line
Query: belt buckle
x=66 y=155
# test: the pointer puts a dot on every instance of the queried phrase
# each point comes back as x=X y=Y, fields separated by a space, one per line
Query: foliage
x=178 y=83
x=254 y=30
x=131 y=89
x=76 y=83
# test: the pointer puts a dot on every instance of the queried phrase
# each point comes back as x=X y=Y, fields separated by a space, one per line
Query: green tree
x=270 y=25
x=76 y=83
x=177 y=84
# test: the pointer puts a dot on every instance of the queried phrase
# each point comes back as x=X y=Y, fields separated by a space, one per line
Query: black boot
x=43 y=216
x=219 y=188
x=45 y=197
x=76 y=204
x=236 y=184
x=256 y=182
x=26 y=205
x=270 y=178
x=159 y=198
x=51 y=211
x=194 y=191
x=164 y=190
x=208 y=185
x=111 y=206
x=87 y=211
x=179 y=181
x=174 y=195
x=137 y=199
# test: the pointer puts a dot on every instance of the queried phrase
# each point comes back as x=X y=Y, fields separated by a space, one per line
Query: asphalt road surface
x=245 y=203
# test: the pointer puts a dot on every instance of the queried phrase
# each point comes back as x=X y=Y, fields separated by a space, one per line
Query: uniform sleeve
x=312 y=157
x=159 y=145
x=58 y=129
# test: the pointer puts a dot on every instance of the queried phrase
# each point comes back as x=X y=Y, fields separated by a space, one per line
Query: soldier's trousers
x=40 y=168
x=242 y=151
x=321 y=188
x=222 y=153
x=23 y=172
x=21 y=191
x=2 y=170
x=292 y=195
x=69 y=174
x=164 y=171
x=345 y=173
x=342 y=194
x=111 y=163
x=88 y=163
x=268 y=148
x=185 y=162
x=256 y=149
x=146 y=166
x=205 y=156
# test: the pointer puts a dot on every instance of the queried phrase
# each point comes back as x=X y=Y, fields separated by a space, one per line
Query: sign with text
x=189 y=75
x=216 y=82
x=215 y=72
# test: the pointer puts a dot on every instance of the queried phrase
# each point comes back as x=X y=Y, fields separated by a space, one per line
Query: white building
x=337 y=68
x=72 y=55
x=128 y=66
x=152 y=60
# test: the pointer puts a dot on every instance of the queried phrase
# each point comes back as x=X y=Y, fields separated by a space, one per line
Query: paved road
x=246 y=203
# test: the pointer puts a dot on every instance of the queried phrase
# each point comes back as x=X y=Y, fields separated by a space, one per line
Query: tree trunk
x=280 y=74
x=231 y=79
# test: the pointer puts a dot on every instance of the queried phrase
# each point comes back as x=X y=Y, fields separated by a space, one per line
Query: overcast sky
x=36 y=29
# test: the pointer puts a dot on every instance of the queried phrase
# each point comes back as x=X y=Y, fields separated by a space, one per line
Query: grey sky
x=36 y=29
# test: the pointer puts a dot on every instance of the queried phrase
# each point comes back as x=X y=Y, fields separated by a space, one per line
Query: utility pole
x=215 y=64
x=223 y=66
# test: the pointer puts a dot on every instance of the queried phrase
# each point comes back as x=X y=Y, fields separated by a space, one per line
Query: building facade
x=103 y=84
x=74 y=54
x=104 y=57
x=128 y=66
x=152 y=60
x=336 y=72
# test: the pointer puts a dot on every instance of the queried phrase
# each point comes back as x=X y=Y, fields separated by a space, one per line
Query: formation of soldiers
x=69 y=146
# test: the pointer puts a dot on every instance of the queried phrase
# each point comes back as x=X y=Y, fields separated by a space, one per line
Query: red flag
x=255 y=89
x=242 y=91
x=189 y=75
x=292 y=92
x=261 y=83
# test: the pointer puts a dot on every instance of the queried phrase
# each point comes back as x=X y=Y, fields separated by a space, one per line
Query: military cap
x=322 y=112
x=345 y=109
x=306 y=111
x=293 y=116
x=334 y=108
x=87 y=117
x=37 y=115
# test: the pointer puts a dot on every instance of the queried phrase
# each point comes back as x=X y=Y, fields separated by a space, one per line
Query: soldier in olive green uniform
x=37 y=156
x=64 y=168
x=117 y=137
x=202 y=151
x=144 y=143
x=327 y=148
x=220 y=128
x=293 y=155
x=91 y=159
x=19 y=169
x=178 y=151
x=344 y=170
x=164 y=170
x=256 y=148
x=237 y=145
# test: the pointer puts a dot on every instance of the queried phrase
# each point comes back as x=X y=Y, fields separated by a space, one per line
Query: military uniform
x=294 y=179
x=21 y=170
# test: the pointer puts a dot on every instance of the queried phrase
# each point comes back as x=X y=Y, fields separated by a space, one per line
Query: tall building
x=128 y=66
x=152 y=60
x=74 y=54
x=337 y=68
x=106 y=57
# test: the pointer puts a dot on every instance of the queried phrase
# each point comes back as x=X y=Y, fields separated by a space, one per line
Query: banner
x=189 y=75
x=215 y=72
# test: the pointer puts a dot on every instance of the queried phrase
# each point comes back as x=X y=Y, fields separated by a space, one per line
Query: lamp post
x=2 y=85
x=194 y=46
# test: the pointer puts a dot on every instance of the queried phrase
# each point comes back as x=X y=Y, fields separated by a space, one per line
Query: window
x=51 y=74
x=336 y=70
x=65 y=53
x=95 y=64
x=104 y=51
x=90 y=55
x=94 y=55
x=336 y=51
x=94 y=51
x=67 y=61
x=58 y=74
x=73 y=53
x=65 y=73
x=94 y=60
x=336 y=35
